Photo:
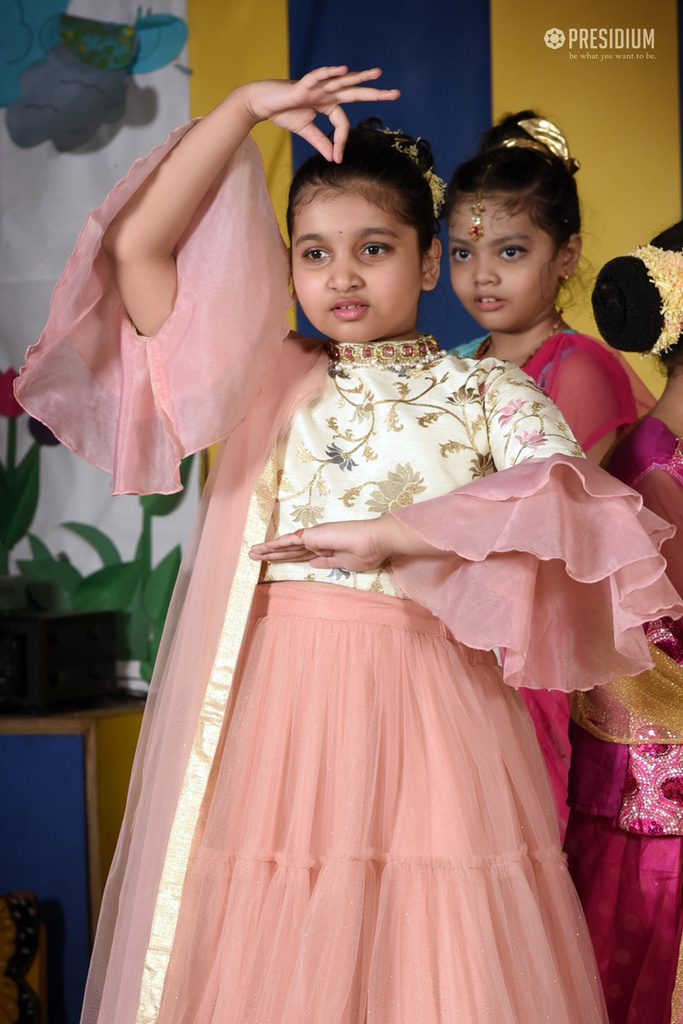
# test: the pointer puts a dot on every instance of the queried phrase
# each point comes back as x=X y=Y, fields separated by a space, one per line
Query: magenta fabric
x=589 y=383
x=631 y=885
x=650 y=459
x=646 y=448
x=630 y=889
x=594 y=388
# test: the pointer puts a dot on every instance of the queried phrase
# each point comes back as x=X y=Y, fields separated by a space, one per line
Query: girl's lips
x=349 y=310
x=488 y=304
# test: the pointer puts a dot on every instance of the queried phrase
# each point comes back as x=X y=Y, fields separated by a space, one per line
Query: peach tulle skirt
x=378 y=841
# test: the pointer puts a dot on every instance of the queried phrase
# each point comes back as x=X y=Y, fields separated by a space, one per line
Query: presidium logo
x=554 y=38
x=639 y=42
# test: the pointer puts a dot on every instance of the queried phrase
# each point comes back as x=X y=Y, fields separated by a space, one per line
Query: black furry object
x=627 y=305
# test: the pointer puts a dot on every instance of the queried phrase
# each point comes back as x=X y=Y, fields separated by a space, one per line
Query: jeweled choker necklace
x=424 y=351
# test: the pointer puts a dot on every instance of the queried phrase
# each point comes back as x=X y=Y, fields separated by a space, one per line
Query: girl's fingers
x=289 y=547
x=312 y=134
x=339 y=77
x=340 y=123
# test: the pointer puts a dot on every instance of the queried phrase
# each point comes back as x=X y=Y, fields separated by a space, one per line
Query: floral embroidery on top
x=379 y=439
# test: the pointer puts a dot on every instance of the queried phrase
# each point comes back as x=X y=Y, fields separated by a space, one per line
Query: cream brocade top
x=379 y=439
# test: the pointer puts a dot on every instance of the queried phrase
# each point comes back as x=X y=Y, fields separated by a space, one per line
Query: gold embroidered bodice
x=381 y=438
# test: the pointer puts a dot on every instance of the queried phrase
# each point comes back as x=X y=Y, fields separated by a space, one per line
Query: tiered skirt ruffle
x=378 y=842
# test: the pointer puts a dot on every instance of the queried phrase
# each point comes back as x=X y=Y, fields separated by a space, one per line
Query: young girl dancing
x=625 y=834
x=338 y=811
x=514 y=241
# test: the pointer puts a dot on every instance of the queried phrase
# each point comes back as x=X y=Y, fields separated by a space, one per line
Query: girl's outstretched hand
x=294 y=104
x=356 y=545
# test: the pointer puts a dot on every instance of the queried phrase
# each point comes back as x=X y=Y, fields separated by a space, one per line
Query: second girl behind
x=514 y=240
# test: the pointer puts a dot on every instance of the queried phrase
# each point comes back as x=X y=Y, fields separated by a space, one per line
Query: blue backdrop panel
x=44 y=849
x=438 y=55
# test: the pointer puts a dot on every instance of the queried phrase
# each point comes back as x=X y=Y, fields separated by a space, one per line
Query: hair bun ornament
x=437 y=186
x=627 y=305
x=547 y=138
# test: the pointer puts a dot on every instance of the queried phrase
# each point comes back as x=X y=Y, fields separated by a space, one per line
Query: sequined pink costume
x=624 y=839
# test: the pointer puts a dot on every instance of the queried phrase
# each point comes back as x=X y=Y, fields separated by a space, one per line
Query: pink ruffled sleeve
x=553 y=560
x=136 y=406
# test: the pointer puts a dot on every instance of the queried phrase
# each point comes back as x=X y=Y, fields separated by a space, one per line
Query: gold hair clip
x=665 y=270
x=436 y=185
x=546 y=138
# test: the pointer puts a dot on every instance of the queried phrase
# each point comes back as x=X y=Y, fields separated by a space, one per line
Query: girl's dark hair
x=527 y=179
x=377 y=169
x=627 y=304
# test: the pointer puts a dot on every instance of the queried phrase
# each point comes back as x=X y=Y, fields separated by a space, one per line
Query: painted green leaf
x=135 y=631
x=104 y=547
x=158 y=587
x=38 y=549
x=53 y=582
x=108 y=589
x=19 y=505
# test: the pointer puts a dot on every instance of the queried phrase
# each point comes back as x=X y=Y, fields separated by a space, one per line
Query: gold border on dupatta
x=204 y=746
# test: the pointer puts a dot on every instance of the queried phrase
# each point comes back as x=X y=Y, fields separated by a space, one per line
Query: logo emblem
x=554 y=38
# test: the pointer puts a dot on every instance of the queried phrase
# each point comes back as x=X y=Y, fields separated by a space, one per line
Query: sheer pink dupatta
x=222 y=364
x=136 y=406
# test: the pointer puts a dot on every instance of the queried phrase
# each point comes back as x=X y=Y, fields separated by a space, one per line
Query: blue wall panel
x=44 y=849
x=438 y=55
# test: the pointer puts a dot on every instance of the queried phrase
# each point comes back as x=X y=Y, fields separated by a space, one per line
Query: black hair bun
x=627 y=305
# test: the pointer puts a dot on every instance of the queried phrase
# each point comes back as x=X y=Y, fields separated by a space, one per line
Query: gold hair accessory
x=475 y=230
x=665 y=270
x=436 y=185
x=546 y=138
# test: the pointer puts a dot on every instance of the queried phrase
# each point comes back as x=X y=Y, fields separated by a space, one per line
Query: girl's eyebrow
x=519 y=236
x=312 y=236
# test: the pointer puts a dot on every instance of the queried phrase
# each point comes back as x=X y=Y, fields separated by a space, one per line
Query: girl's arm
x=141 y=240
x=356 y=545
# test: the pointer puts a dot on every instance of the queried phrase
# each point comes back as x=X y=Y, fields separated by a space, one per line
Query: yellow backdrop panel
x=229 y=44
x=618 y=106
x=234 y=42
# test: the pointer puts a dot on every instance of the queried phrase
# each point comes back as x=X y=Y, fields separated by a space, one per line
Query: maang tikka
x=476 y=230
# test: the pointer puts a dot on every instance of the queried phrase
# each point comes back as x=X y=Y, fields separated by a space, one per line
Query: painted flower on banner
x=9 y=406
x=19 y=477
x=62 y=77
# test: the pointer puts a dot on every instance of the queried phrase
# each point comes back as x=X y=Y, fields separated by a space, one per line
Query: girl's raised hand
x=294 y=104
